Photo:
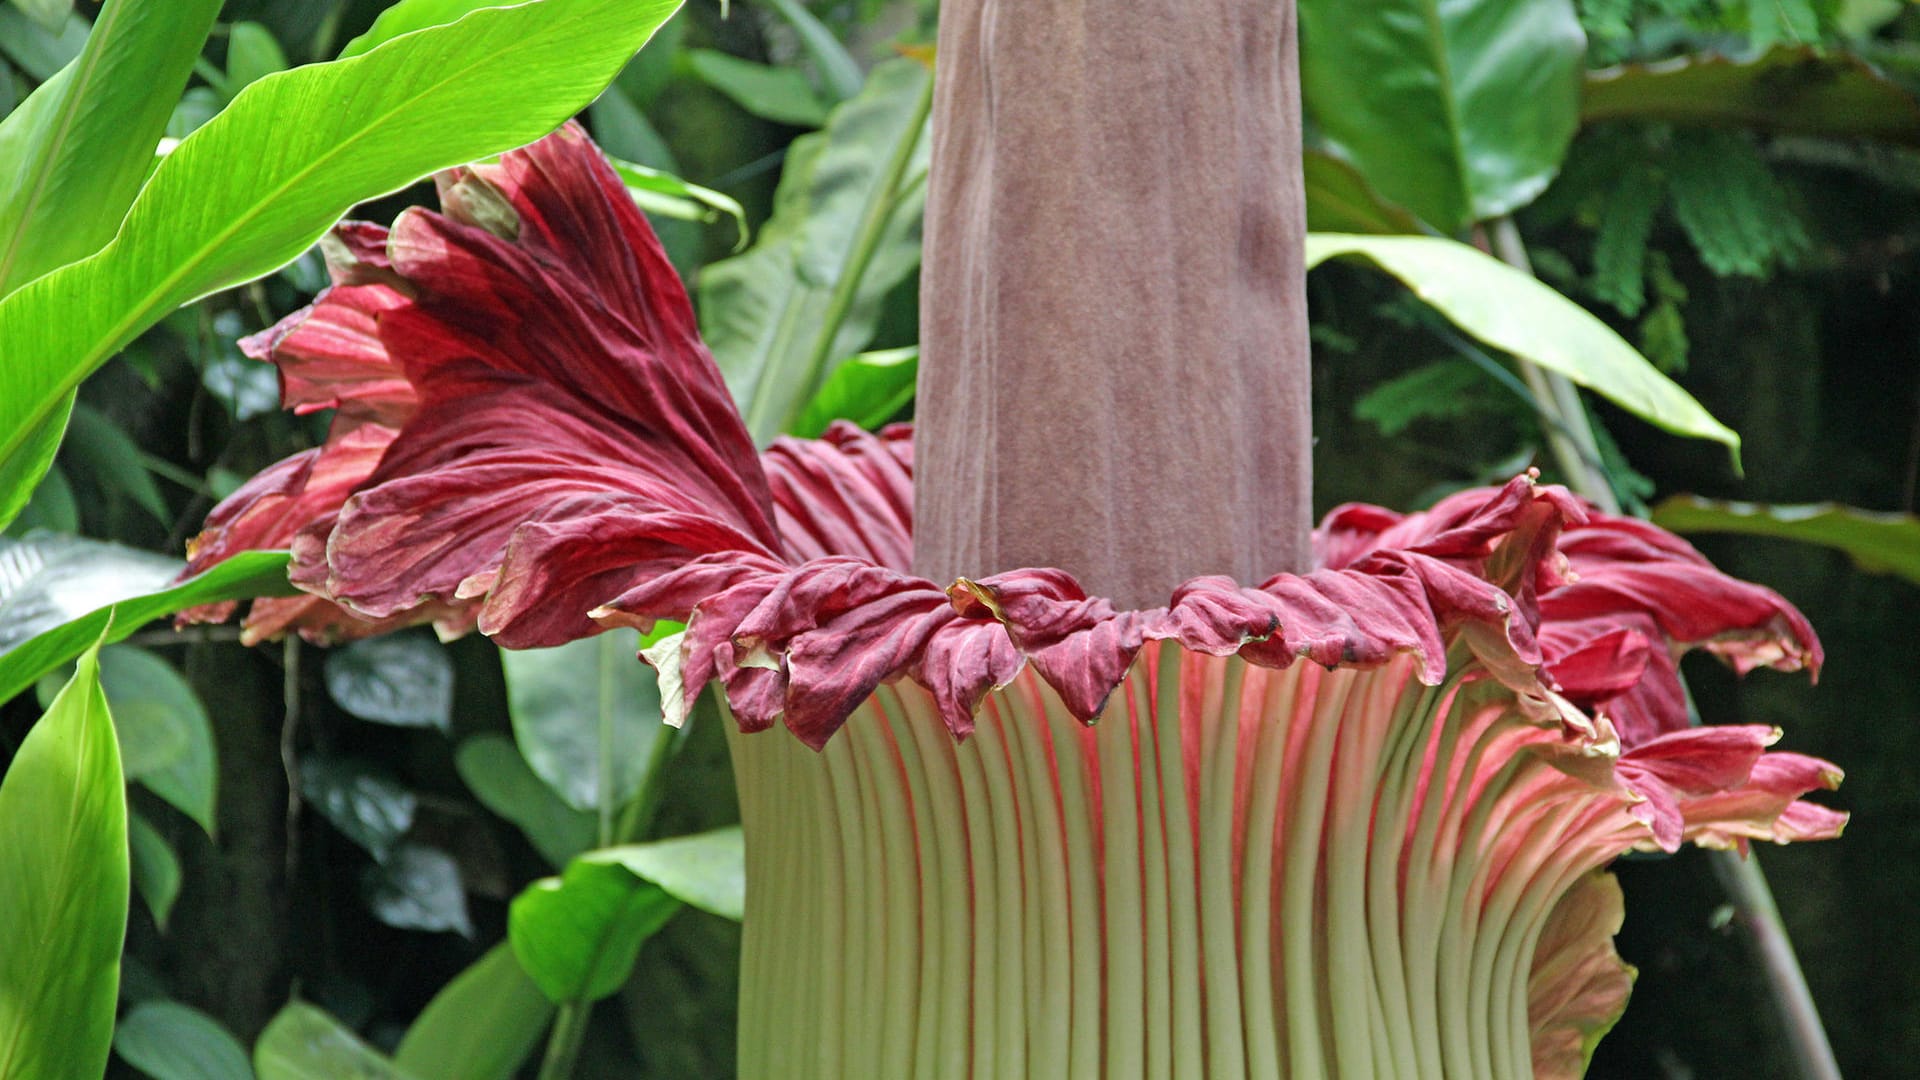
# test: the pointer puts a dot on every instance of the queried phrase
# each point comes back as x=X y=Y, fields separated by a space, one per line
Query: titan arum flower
x=1348 y=822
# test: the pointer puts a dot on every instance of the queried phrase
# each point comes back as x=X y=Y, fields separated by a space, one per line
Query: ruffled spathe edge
x=560 y=455
x=808 y=643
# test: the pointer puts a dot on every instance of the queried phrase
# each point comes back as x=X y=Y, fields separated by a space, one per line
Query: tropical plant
x=503 y=814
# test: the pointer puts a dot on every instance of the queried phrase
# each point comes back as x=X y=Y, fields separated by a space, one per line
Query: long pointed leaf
x=249 y=574
x=63 y=888
x=763 y=312
x=1513 y=312
x=1878 y=543
x=259 y=183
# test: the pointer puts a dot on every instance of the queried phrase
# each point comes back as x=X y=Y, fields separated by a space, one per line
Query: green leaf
x=197 y=106
x=190 y=784
x=1792 y=89
x=252 y=55
x=1627 y=209
x=160 y=720
x=1457 y=111
x=263 y=180
x=1733 y=209
x=780 y=94
x=111 y=460
x=500 y=778
x=1770 y=22
x=1878 y=543
x=155 y=711
x=52 y=508
x=869 y=389
x=577 y=935
x=409 y=15
x=51 y=14
x=1339 y=199
x=250 y=574
x=39 y=51
x=170 y=1041
x=156 y=873
x=763 y=313
x=1444 y=389
x=480 y=1026
x=21 y=473
x=305 y=1043
x=707 y=871
x=63 y=888
x=864 y=136
x=585 y=715
x=361 y=799
x=700 y=203
x=47 y=580
x=401 y=679
x=1512 y=311
x=835 y=66
x=73 y=155
x=418 y=888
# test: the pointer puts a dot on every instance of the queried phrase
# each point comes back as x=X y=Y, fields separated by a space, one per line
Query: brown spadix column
x=1114 y=337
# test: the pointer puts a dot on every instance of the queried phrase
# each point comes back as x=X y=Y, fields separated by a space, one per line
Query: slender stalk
x=1575 y=448
x=1752 y=900
x=608 y=648
x=633 y=821
x=563 y=1045
x=289 y=758
x=637 y=818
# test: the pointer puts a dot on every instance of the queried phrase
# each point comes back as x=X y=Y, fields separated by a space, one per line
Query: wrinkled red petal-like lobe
x=330 y=356
x=267 y=513
x=574 y=437
x=845 y=493
x=1607 y=575
x=1767 y=806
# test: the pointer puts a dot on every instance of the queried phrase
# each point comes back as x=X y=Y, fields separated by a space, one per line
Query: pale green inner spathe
x=1236 y=872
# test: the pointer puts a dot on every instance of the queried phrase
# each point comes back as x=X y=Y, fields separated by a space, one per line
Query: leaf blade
x=170 y=1041
x=303 y=1042
x=1458 y=111
x=261 y=181
x=249 y=574
x=79 y=149
x=64 y=884
x=480 y=1026
x=1791 y=88
x=577 y=935
x=707 y=870
x=1514 y=312
x=1877 y=542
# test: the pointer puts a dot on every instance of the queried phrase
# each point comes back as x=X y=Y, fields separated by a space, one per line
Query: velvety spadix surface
x=1351 y=822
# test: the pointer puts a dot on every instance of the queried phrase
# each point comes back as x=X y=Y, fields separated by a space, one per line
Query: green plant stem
x=847 y=287
x=1556 y=398
x=1754 y=907
x=1576 y=450
x=609 y=650
x=638 y=816
x=570 y=1022
x=563 y=1042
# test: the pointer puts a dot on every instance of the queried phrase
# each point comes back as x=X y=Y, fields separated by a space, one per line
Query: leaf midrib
x=1443 y=64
